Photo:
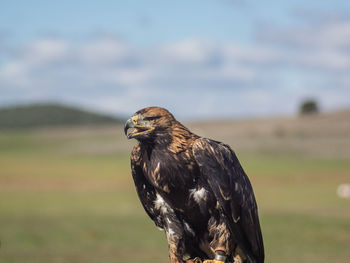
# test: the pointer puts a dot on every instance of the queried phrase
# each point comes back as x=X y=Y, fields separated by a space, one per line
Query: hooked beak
x=129 y=124
x=138 y=128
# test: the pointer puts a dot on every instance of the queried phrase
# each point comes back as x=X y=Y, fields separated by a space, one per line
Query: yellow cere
x=134 y=119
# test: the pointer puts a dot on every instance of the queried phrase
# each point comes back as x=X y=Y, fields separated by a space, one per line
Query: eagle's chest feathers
x=170 y=172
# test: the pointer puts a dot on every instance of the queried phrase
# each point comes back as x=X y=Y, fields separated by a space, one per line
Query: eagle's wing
x=232 y=189
x=145 y=190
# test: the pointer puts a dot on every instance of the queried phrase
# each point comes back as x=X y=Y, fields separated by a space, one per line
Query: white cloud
x=193 y=51
x=45 y=50
x=105 y=50
x=322 y=46
x=195 y=78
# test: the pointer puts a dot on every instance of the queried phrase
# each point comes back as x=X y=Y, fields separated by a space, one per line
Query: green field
x=66 y=195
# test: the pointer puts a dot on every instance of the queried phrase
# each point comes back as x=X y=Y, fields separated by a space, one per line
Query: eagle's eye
x=151 y=118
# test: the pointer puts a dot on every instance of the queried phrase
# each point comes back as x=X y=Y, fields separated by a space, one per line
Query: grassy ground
x=66 y=195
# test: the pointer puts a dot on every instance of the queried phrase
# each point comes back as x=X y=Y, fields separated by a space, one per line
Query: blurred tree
x=308 y=106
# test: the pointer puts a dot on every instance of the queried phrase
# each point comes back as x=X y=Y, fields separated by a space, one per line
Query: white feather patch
x=199 y=195
x=163 y=206
x=170 y=232
x=159 y=202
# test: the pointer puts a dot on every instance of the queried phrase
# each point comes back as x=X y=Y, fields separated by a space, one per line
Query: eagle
x=194 y=189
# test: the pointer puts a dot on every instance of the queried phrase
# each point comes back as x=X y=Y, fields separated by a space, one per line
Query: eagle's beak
x=138 y=128
x=129 y=124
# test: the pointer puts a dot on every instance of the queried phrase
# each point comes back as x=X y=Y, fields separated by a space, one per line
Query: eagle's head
x=149 y=123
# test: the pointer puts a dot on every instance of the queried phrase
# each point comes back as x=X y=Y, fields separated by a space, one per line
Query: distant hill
x=38 y=115
x=325 y=135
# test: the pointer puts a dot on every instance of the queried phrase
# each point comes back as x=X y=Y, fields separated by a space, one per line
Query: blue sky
x=153 y=22
x=200 y=59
